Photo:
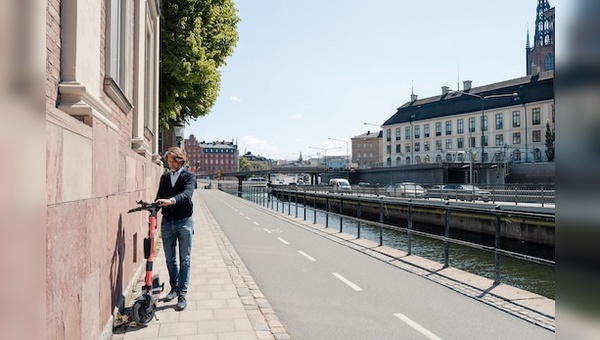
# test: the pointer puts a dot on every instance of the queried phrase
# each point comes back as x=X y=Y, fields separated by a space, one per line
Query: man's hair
x=176 y=153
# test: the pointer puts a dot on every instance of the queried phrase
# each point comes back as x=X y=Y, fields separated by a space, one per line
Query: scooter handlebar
x=144 y=206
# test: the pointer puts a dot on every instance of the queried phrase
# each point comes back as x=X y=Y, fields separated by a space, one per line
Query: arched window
x=418 y=159
x=389 y=161
x=516 y=155
x=537 y=155
x=407 y=159
x=449 y=158
x=549 y=62
x=426 y=159
x=398 y=160
x=438 y=158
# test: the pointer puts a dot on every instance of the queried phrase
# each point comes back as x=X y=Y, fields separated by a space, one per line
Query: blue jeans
x=173 y=232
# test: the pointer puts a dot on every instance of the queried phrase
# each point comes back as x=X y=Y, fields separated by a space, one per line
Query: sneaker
x=181 y=304
x=172 y=294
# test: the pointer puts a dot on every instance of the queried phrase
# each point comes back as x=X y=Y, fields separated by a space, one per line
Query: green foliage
x=549 y=143
x=244 y=164
x=196 y=38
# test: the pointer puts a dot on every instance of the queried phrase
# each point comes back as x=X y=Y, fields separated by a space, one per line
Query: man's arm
x=188 y=192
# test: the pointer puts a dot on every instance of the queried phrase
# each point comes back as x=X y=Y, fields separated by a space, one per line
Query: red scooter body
x=145 y=306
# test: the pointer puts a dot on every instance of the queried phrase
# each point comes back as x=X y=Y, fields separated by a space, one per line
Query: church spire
x=528 y=45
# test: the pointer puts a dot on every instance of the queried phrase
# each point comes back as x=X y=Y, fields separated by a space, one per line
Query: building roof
x=530 y=89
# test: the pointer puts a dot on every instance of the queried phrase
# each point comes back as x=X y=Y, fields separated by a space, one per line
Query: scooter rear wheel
x=141 y=313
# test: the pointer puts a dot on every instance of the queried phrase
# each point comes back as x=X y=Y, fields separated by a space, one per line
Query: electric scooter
x=144 y=307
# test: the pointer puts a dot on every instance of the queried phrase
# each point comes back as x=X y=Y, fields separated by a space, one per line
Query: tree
x=245 y=164
x=549 y=143
x=196 y=38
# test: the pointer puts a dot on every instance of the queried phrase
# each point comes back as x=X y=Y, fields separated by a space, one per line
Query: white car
x=406 y=189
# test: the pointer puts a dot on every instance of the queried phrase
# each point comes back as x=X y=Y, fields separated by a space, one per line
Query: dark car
x=464 y=192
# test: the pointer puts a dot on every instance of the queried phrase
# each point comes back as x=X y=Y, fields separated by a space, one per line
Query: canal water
x=529 y=276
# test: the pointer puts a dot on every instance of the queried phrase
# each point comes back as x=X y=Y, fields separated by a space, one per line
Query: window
x=460 y=126
x=438 y=129
x=407 y=147
x=426 y=146
x=388 y=135
x=448 y=127
x=398 y=148
x=471 y=124
x=535 y=116
x=417 y=131
x=537 y=136
x=389 y=149
x=460 y=142
x=407 y=132
x=537 y=155
x=485 y=157
x=516 y=155
x=499 y=140
x=438 y=145
x=448 y=144
x=417 y=146
x=549 y=62
x=516 y=138
x=118 y=61
x=484 y=123
x=484 y=140
x=426 y=130
x=499 y=122
x=397 y=133
x=516 y=118
x=472 y=142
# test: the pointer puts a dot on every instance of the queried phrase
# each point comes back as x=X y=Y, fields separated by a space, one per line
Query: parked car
x=406 y=189
x=465 y=192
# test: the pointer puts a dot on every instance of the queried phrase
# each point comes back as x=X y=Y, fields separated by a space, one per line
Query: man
x=174 y=195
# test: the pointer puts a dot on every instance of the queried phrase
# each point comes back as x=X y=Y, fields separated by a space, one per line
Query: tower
x=540 y=56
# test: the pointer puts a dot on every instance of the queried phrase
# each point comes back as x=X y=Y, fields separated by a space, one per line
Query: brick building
x=210 y=158
x=540 y=56
x=101 y=156
x=367 y=149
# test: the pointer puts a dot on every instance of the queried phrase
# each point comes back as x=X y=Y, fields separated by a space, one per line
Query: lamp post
x=483 y=98
x=347 y=156
x=178 y=128
x=390 y=145
x=324 y=152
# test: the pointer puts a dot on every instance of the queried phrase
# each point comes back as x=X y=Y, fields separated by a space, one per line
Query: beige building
x=367 y=149
x=501 y=123
x=101 y=156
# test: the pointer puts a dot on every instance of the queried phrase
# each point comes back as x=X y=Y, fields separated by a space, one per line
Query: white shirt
x=175 y=176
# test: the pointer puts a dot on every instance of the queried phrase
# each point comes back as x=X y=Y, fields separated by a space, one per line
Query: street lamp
x=178 y=129
x=324 y=152
x=483 y=98
x=347 y=156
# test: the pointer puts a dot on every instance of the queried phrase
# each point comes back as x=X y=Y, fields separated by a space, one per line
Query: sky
x=306 y=71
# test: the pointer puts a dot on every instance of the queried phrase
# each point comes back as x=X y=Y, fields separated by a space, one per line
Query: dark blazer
x=182 y=192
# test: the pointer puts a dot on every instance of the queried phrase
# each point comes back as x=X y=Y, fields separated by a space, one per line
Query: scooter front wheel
x=142 y=312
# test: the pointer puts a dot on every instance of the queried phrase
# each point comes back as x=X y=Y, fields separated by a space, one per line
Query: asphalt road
x=320 y=289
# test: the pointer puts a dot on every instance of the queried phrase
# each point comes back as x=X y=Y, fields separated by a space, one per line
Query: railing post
x=410 y=229
x=315 y=208
x=289 y=203
x=359 y=213
x=381 y=222
x=296 y=197
x=516 y=196
x=446 y=237
x=326 y=210
x=341 y=211
x=496 y=253
x=304 y=204
x=542 y=195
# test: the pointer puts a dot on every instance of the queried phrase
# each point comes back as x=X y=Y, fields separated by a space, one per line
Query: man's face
x=173 y=165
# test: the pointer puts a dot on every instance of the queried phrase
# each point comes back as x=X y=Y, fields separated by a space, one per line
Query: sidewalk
x=224 y=302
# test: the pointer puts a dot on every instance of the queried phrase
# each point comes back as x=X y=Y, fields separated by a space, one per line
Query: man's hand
x=163 y=202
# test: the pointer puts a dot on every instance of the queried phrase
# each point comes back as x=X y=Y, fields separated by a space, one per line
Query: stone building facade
x=101 y=156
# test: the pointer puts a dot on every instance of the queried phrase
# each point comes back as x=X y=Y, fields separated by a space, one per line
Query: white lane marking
x=241 y=213
x=282 y=240
x=417 y=327
x=348 y=282
x=267 y=230
x=306 y=255
x=247 y=217
x=255 y=223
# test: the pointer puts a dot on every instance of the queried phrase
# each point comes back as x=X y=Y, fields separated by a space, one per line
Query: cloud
x=297 y=116
x=235 y=98
x=257 y=146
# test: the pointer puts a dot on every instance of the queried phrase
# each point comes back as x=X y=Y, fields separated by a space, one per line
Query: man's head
x=175 y=158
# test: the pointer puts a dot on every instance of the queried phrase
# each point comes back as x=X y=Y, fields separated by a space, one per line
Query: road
x=320 y=289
